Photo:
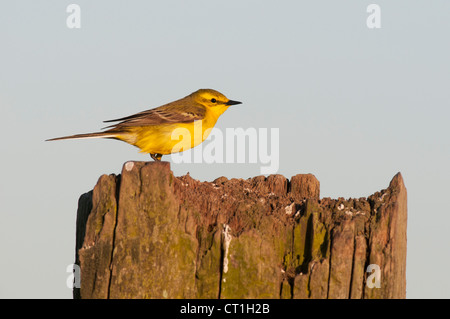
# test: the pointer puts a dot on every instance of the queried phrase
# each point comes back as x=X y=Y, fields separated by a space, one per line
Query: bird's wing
x=167 y=114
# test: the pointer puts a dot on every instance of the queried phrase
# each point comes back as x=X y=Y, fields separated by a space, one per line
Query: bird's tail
x=88 y=135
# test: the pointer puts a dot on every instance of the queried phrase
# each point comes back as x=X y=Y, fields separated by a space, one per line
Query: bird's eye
x=213 y=100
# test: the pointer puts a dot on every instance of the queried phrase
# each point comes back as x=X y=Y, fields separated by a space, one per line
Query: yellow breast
x=166 y=139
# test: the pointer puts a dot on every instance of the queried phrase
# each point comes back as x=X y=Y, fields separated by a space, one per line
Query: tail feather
x=88 y=135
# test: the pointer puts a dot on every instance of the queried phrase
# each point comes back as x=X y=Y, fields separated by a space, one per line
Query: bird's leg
x=156 y=157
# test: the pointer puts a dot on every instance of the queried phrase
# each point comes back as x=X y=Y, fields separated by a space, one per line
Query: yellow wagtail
x=154 y=131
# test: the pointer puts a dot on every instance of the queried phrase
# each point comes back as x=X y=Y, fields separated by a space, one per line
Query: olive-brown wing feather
x=166 y=114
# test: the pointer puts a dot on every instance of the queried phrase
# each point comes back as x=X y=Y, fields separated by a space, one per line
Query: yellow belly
x=167 y=139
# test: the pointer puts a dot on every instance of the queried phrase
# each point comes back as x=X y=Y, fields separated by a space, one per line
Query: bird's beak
x=231 y=102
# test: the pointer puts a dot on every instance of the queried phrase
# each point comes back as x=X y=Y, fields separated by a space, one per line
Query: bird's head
x=212 y=99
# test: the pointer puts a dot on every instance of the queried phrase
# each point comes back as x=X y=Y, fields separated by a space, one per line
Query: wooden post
x=149 y=234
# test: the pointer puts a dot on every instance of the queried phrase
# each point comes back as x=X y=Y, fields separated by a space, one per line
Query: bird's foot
x=156 y=157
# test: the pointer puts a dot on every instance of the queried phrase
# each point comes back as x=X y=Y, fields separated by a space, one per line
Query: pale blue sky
x=354 y=106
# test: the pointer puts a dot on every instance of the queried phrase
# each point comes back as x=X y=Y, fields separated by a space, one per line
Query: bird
x=157 y=131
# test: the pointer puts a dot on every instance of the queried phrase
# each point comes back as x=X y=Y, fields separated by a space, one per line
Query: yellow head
x=213 y=100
